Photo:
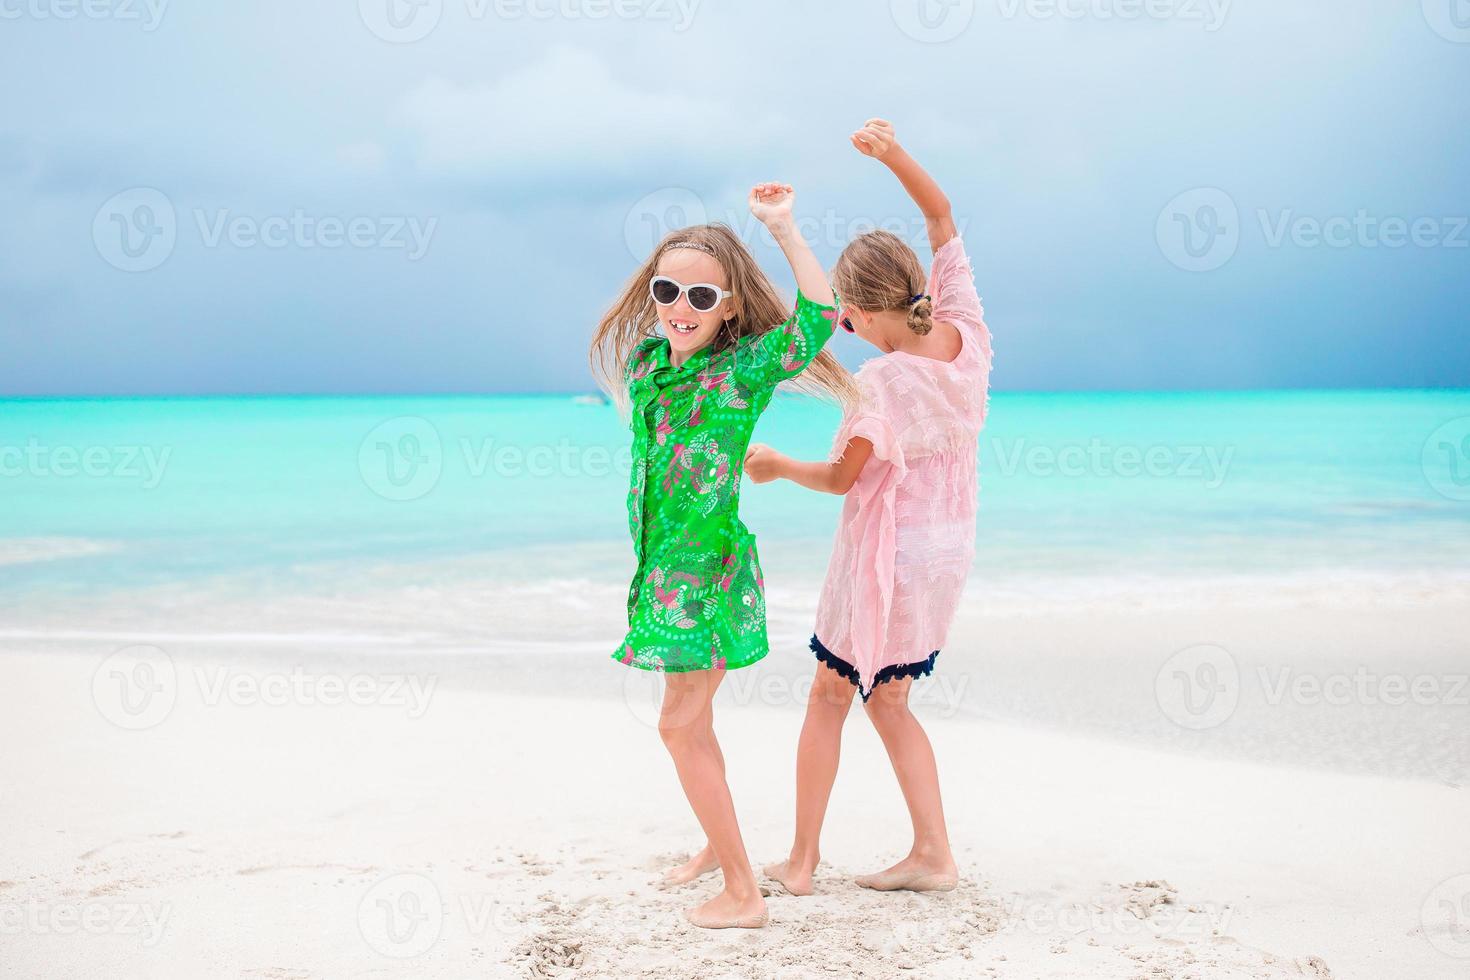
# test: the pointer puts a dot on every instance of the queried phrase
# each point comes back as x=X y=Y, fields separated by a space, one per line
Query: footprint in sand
x=549 y=956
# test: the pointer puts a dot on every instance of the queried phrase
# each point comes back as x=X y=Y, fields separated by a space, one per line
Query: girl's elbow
x=941 y=219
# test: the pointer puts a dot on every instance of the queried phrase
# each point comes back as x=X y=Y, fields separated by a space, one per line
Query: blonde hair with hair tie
x=879 y=273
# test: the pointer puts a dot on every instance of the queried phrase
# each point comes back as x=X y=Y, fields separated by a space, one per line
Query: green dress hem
x=689 y=668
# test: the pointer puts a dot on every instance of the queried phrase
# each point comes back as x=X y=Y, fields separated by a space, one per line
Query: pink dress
x=907 y=534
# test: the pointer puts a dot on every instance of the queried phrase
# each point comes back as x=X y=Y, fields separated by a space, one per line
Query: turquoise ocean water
x=111 y=494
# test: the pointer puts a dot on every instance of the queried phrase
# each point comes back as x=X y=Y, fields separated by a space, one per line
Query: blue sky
x=320 y=198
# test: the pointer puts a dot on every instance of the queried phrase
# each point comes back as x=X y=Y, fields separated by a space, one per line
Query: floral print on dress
x=697 y=599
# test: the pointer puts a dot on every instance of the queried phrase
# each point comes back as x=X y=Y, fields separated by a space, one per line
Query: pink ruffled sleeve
x=952 y=287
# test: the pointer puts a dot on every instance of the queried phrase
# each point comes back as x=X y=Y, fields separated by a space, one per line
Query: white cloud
x=362 y=158
x=567 y=113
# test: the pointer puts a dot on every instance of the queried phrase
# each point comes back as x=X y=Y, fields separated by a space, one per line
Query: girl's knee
x=887 y=707
x=679 y=732
x=831 y=694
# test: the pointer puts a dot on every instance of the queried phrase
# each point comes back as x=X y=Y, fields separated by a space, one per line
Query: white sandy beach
x=443 y=825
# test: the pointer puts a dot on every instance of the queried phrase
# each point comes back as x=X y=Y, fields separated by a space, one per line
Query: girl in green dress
x=699 y=340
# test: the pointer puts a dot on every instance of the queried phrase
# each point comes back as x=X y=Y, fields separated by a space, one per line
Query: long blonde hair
x=757 y=305
x=878 y=273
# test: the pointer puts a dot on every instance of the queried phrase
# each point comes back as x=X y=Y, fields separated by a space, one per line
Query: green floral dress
x=697 y=600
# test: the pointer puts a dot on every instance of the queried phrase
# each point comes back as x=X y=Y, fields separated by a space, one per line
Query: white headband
x=700 y=246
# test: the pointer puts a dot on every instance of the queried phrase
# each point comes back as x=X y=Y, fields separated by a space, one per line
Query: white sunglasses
x=703 y=296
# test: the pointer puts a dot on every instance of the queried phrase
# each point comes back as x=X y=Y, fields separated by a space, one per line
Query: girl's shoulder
x=882 y=381
x=899 y=382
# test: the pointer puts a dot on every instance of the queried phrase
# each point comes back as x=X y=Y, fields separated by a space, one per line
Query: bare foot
x=793 y=877
x=915 y=875
x=724 y=911
x=696 y=867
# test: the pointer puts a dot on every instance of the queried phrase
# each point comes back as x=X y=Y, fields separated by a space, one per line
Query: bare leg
x=930 y=863
x=688 y=732
x=705 y=861
x=817 y=754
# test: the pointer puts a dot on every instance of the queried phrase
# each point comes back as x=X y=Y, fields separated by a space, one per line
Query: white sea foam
x=21 y=551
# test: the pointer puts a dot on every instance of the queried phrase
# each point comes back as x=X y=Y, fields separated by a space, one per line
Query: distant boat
x=592 y=400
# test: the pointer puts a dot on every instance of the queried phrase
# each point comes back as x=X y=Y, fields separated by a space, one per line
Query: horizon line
x=585 y=392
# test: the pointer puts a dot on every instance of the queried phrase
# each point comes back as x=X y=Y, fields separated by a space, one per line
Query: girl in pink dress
x=905 y=459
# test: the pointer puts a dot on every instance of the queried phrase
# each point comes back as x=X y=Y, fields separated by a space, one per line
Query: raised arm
x=877 y=140
x=789 y=348
x=764 y=464
x=771 y=204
